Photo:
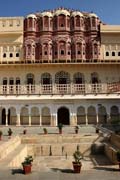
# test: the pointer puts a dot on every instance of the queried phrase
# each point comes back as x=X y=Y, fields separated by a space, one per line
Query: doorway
x=63 y=116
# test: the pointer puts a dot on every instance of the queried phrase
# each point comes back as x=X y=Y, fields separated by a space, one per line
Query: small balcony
x=60 y=89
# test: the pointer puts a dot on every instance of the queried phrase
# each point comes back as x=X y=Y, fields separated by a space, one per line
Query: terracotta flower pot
x=77 y=167
x=60 y=131
x=76 y=131
x=27 y=168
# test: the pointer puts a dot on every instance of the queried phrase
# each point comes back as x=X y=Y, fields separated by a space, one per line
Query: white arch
x=24 y=116
x=46 y=116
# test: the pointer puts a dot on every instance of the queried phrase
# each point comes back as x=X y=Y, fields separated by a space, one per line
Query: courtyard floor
x=57 y=168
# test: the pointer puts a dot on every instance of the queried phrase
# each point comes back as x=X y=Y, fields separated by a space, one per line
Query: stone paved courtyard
x=60 y=168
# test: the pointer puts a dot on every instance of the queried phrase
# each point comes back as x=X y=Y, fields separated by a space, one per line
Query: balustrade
x=60 y=89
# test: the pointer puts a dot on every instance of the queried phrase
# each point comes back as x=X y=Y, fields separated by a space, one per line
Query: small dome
x=31 y=16
x=76 y=13
x=93 y=15
x=47 y=13
x=61 y=11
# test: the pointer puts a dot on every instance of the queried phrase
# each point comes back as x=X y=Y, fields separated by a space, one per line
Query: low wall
x=110 y=152
x=56 y=138
x=9 y=146
x=19 y=157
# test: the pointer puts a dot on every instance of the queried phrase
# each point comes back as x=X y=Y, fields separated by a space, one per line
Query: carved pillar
x=18 y=120
x=29 y=119
x=6 y=120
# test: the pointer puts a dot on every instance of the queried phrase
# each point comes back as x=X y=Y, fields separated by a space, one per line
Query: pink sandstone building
x=59 y=66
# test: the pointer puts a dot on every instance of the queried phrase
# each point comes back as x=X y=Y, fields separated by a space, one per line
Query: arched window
x=5 y=81
x=4 y=55
x=62 y=48
x=94 y=78
x=62 y=21
x=79 y=48
x=30 y=79
x=11 y=81
x=62 y=77
x=113 y=53
x=46 y=21
x=17 y=80
x=107 y=53
x=77 y=21
x=17 y=54
x=45 y=46
x=118 y=53
x=46 y=78
x=78 y=78
x=11 y=54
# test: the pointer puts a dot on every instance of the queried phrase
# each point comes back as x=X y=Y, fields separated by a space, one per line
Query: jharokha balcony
x=60 y=89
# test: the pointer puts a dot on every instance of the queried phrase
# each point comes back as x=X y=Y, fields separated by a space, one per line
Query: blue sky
x=107 y=10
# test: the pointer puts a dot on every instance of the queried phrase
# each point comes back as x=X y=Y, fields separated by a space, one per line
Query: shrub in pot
x=10 y=132
x=60 y=126
x=77 y=161
x=27 y=164
x=25 y=131
x=45 y=130
x=76 y=129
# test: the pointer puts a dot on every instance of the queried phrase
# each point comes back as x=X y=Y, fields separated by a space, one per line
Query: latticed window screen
x=46 y=78
x=78 y=78
x=62 y=78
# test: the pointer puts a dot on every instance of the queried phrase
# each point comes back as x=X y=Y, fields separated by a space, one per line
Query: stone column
x=29 y=119
x=6 y=122
x=40 y=120
x=18 y=120
x=86 y=117
x=56 y=122
x=97 y=118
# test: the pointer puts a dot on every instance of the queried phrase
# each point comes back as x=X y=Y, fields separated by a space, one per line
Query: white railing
x=60 y=89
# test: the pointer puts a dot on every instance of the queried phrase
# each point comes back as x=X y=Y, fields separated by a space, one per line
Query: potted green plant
x=77 y=161
x=25 y=131
x=76 y=129
x=27 y=164
x=60 y=126
x=10 y=132
x=1 y=135
x=45 y=130
x=118 y=157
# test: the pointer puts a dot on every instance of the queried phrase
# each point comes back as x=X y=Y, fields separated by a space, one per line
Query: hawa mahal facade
x=59 y=66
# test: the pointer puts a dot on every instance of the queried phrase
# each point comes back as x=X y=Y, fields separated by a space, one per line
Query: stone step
x=56 y=138
x=58 y=149
x=14 y=158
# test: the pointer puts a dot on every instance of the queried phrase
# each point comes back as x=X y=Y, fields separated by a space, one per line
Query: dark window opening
x=5 y=82
x=79 y=52
x=45 y=52
x=113 y=53
x=55 y=52
x=78 y=81
x=17 y=81
x=11 y=55
x=46 y=81
x=11 y=81
x=68 y=52
x=4 y=55
x=17 y=54
x=107 y=53
x=118 y=53
x=62 y=52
